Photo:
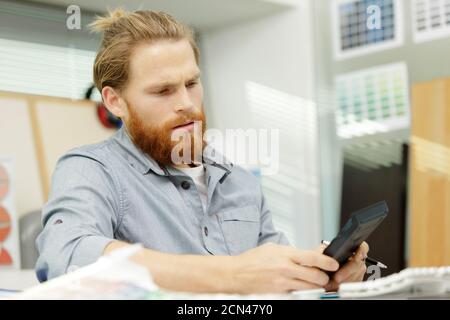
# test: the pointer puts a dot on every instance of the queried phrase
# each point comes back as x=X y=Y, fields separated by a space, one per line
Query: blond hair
x=122 y=32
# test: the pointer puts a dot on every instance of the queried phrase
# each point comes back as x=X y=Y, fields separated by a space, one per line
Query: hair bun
x=102 y=24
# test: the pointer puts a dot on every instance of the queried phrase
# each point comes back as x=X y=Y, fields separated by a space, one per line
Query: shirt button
x=205 y=229
x=185 y=185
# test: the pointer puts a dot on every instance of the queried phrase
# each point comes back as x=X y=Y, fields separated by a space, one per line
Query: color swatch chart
x=373 y=100
x=431 y=19
x=355 y=29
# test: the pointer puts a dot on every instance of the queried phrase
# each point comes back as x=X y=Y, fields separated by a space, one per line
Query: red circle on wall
x=4 y=182
x=5 y=258
x=5 y=224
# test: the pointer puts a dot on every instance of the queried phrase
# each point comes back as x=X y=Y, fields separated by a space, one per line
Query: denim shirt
x=112 y=190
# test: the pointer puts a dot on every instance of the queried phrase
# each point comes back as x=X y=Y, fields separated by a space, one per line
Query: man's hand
x=352 y=271
x=269 y=268
x=277 y=269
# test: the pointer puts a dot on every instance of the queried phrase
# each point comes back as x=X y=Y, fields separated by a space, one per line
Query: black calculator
x=355 y=231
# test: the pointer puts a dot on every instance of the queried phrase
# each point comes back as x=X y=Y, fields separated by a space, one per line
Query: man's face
x=164 y=96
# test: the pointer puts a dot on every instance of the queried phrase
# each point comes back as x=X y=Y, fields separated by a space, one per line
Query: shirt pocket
x=241 y=228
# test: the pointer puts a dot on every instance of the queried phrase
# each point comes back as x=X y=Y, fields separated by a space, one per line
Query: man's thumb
x=320 y=248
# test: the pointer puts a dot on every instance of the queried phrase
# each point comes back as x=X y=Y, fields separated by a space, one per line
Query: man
x=204 y=224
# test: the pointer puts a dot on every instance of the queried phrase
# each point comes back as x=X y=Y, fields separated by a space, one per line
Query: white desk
x=11 y=279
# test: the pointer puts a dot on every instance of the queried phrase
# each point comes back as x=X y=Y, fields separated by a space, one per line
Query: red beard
x=156 y=140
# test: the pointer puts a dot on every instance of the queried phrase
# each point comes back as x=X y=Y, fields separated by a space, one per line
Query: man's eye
x=191 y=84
x=163 y=92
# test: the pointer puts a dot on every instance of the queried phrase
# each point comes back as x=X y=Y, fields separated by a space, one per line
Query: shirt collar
x=145 y=164
x=134 y=155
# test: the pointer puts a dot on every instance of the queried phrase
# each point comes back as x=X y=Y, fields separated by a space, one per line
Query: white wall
x=275 y=54
x=17 y=143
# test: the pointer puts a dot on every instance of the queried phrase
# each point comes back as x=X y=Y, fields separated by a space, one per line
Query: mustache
x=185 y=120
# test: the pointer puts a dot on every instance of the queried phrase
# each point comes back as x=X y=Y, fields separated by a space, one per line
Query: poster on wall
x=9 y=233
x=373 y=100
x=430 y=19
x=362 y=27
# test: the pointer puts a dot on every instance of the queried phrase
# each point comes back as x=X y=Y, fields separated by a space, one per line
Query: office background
x=265 y=64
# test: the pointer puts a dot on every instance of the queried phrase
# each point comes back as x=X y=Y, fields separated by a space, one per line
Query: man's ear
x=113 y=101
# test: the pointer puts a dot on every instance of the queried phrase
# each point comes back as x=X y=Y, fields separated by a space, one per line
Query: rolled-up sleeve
x=80 y=217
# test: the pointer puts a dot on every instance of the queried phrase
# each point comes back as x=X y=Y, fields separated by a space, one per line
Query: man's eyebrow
x=168 y=84
x=196 y=76
x=164 y=84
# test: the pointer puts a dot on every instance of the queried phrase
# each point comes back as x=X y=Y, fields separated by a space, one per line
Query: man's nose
x=184 y=101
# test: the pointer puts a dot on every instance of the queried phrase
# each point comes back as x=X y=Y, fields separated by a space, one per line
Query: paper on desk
x=113 y=276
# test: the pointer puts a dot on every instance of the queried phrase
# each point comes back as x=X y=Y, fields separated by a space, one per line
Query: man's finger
x=362 y=251
x=357 y=275
x=360 y=276
x=321 y=248
x=349 y=270
x=308 y=274
x=315 y=259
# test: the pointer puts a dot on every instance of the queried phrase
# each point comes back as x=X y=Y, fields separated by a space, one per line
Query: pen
x=368 y=259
